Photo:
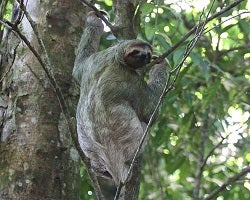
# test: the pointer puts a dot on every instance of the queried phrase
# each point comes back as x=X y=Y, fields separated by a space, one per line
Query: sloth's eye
x=134 y=52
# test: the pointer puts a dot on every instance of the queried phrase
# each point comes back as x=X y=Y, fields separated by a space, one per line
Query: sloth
x=115 y=101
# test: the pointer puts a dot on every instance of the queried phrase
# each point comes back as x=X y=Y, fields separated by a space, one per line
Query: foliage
x=208 y=108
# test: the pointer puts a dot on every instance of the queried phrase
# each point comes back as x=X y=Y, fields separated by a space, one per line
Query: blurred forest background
x=202 y=136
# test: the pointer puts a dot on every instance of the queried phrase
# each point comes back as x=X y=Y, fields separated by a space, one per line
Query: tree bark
x=126 y=20
x=37 y=158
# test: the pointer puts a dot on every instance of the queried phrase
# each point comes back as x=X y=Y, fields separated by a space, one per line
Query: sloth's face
x=138 y=54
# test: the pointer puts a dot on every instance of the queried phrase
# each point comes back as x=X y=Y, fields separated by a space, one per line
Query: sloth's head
x=137 y=54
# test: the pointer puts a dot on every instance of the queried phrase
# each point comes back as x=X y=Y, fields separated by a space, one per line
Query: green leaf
x=146 y=8
x=164 y=40
x=149 y=32
x=177 y=56
x=244 y=26
x=211 y=92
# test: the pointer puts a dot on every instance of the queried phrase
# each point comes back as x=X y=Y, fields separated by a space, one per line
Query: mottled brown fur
x=115 y=102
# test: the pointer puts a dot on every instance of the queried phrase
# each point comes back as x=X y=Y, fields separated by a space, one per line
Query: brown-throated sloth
x=115 y=102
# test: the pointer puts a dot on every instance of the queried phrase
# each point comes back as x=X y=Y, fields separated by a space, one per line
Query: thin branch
x=245 y=12
x=17 y=17
x=215 y=147
x=211 y=151
x=246 y=47
x=230 y=181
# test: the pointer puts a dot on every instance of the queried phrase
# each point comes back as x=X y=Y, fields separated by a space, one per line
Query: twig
x=246 y=47
x=17 y=18
x=245 y=12
x=212 y=150
x=215 y=147
x=231 y=180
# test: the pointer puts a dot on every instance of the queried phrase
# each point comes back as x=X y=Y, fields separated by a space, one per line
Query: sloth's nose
x=143 y=55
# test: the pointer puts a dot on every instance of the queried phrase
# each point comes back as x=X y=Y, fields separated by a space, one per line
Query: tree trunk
x=37 y=158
